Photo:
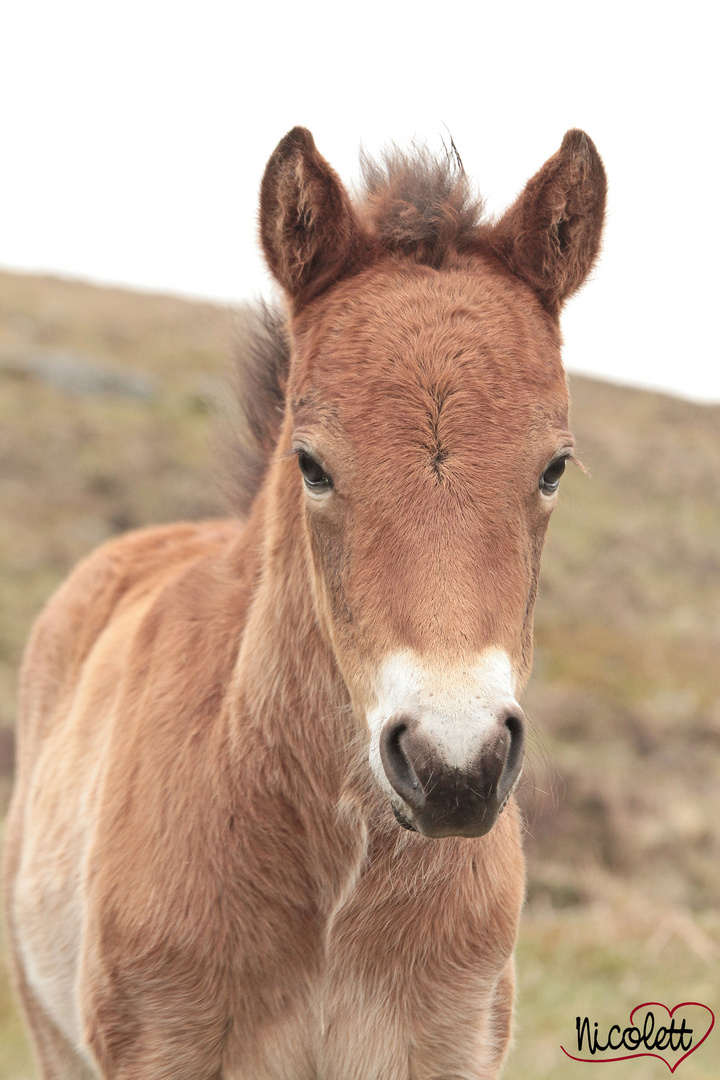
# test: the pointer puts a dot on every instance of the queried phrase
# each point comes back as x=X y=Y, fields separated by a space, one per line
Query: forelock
x=419 y=204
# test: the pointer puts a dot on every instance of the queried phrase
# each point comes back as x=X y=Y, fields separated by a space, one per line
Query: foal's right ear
x=308 y=228
x=551 y=235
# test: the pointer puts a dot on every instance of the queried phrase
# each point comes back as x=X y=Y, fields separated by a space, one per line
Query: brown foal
x=258 y=830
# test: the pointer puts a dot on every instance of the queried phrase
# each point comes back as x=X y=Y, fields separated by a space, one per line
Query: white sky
x=134 y=136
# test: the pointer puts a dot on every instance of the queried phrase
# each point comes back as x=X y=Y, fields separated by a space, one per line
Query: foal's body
x=203 y=876
x=214 y=910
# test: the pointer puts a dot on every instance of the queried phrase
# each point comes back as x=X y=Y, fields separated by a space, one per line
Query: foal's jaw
x=447 y=741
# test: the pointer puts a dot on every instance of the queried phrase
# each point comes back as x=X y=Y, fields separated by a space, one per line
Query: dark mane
x=417 y=204
x=260 y=367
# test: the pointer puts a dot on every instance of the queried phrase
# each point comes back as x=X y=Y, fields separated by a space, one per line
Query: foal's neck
x=286 y=682
x=295 y=743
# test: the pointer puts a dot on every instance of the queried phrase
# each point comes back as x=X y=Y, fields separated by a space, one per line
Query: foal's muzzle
x=449 y=800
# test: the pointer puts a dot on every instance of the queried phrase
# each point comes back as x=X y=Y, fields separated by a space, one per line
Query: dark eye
x=550 y=479
x=315 y=477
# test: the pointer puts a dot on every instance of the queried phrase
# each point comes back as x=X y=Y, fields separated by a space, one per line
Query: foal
x=256 y=829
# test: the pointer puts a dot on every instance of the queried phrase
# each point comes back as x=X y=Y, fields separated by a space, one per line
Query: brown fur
x=203 y=879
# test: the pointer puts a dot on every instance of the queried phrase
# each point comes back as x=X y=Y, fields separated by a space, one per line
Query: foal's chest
x=403 y=988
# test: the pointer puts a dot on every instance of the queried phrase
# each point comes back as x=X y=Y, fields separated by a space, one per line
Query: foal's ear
x=308 y=228
x=551 y=235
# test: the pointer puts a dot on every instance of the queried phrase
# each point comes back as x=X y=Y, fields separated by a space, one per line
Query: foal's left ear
x=308 y=228
x=551 y=235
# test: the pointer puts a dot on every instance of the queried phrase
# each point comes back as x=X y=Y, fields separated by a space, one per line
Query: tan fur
x=203 y=879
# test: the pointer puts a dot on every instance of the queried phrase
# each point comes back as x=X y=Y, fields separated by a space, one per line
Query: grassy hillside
x=106 y=419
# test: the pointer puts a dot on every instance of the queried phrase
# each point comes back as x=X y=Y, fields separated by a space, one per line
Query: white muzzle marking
x=457 y=706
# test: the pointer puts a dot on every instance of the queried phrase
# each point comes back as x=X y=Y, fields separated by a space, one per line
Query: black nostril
x=396 y=763
x=515 y=726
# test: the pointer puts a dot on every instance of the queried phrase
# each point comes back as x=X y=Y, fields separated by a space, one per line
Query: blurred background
x=134 y=141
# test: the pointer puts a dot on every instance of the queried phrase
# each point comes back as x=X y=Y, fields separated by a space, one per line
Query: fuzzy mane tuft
x=419 y=204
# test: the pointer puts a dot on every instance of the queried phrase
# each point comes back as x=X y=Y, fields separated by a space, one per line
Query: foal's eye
x=550 y=479
x=315 y=477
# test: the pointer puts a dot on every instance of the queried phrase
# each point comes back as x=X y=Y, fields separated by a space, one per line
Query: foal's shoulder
x=125 y=567
x=116 y=574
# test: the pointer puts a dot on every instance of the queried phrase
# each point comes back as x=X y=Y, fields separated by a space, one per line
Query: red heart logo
x=650 y=1053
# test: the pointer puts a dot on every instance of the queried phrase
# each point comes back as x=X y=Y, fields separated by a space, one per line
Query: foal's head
x=427 y=410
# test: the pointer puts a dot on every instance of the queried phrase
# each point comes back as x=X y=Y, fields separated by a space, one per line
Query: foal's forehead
x=388 y=338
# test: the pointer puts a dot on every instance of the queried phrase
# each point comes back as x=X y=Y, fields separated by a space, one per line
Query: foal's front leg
x=379 y=1032
x=416 y=988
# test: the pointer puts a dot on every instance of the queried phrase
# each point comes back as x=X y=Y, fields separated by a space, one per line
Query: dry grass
x=601 y=961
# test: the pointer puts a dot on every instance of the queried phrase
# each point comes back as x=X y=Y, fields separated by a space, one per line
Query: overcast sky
x=134 y=137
